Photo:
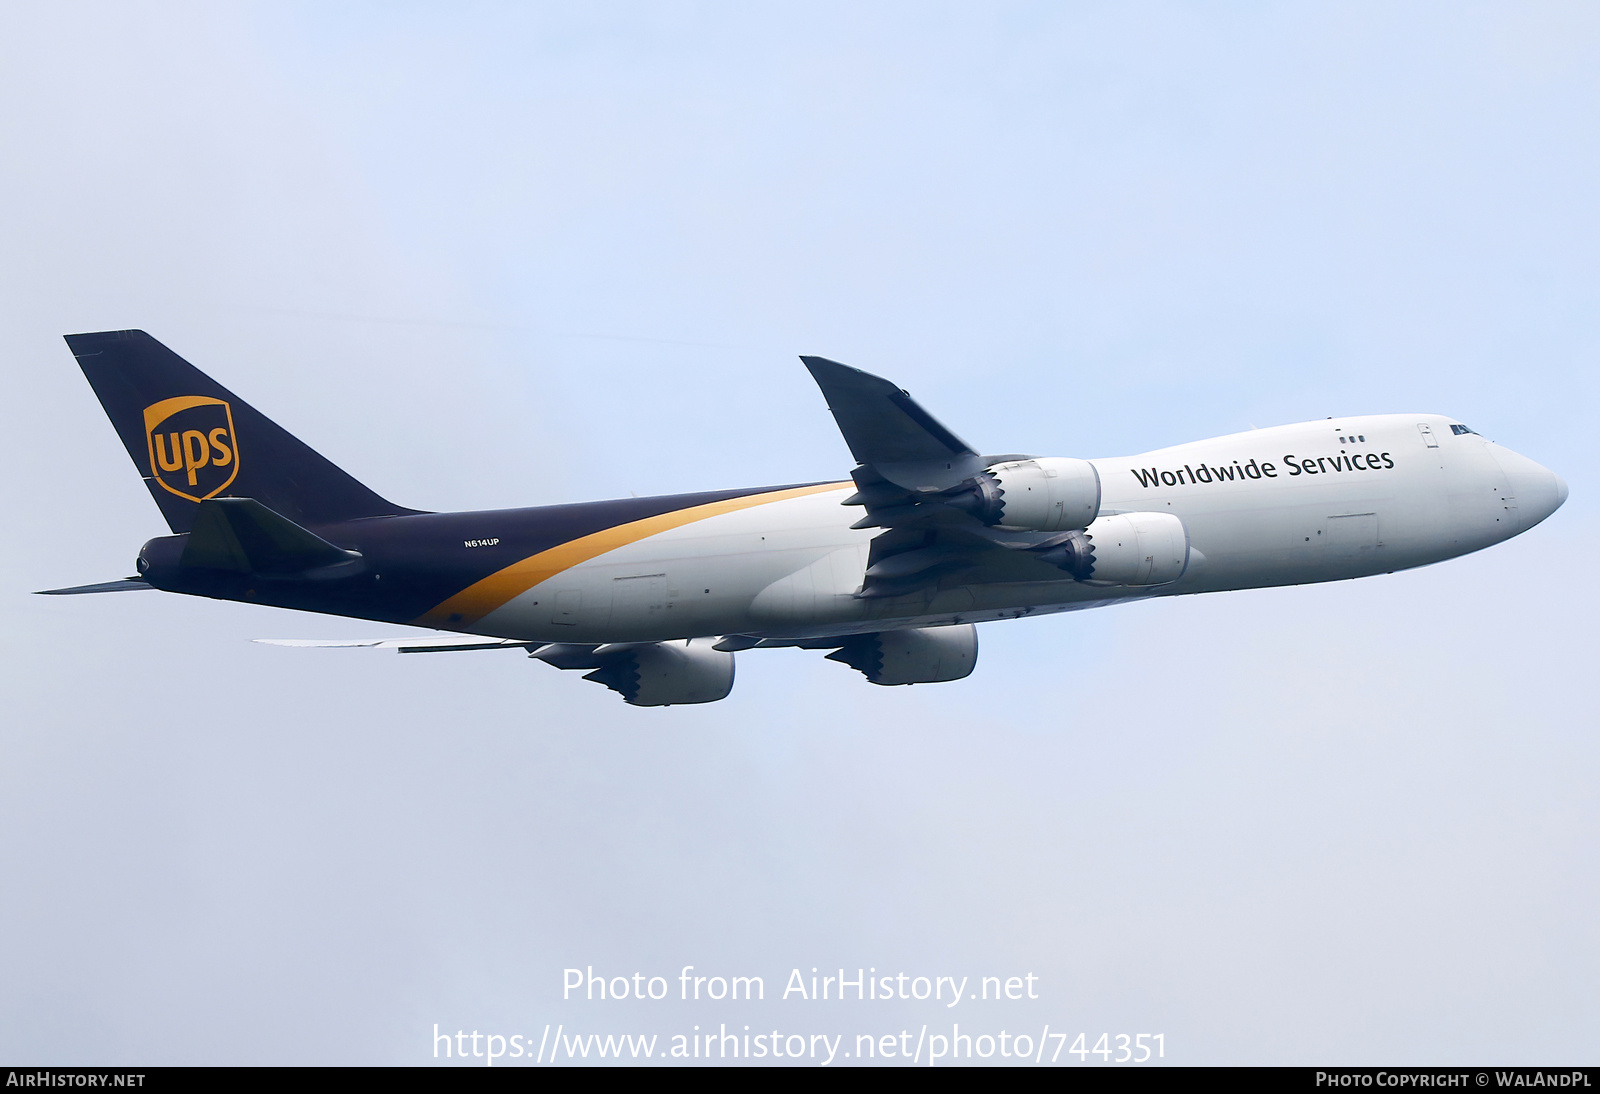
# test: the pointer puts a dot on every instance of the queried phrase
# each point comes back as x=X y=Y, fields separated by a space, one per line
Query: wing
x=645 y=674
x=888 y=432
x=922 y=484
x=454 y=643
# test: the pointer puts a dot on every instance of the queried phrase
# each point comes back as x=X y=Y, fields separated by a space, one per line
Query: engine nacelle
x=1138 y=549
x=1048 y=494
x=919 y=655
x=663 y=674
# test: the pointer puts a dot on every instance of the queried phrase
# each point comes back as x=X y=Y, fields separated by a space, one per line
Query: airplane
x=889 y=569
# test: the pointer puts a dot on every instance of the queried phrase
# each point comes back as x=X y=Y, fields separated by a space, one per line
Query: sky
x=490 y=255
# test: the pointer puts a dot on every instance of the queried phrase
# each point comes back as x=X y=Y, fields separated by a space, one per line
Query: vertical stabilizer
x=192 y=439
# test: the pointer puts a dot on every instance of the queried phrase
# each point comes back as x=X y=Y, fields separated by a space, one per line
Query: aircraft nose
x=1538 y=490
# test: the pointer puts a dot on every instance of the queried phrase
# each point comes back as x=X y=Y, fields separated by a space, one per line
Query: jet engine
x=662 y=674
x=918 y=655
x=1137 y=549
x=1048 y=494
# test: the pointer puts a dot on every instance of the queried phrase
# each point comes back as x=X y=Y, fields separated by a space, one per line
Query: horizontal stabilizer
x=887 y=431
x=240 y=535
x=454 y=643
x=121 y=585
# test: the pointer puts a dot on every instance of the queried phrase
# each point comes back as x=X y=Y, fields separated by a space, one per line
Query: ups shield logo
x=193 y=450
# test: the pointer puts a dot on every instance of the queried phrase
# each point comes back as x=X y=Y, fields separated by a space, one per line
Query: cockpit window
x=1460 y=429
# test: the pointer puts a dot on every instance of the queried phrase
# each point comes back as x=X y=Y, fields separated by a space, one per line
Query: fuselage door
x=1353 y=536
x=1427 y=435
x=569 y=604
x=638 y=601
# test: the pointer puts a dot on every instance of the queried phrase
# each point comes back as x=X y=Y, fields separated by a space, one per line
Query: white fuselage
x=1318 y=501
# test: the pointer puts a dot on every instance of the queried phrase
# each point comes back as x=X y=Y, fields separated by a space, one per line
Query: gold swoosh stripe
x=499 y=588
